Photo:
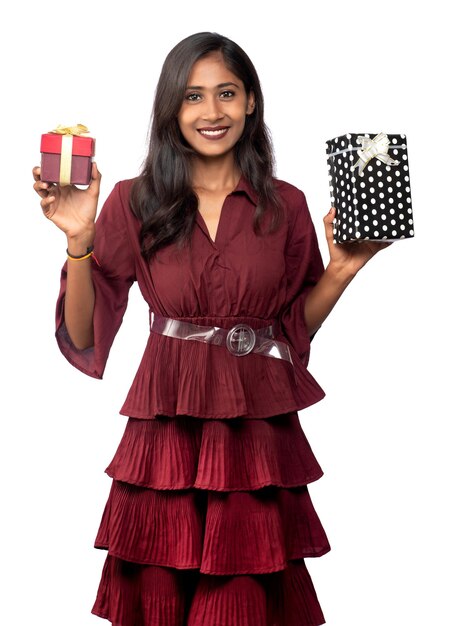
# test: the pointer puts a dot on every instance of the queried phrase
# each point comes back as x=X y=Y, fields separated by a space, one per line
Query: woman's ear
x=250 y=107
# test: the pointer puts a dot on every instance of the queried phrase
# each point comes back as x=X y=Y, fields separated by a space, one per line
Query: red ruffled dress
x=209 y=518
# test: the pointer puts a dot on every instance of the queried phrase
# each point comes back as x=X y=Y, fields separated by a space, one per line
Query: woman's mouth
x=214 y=133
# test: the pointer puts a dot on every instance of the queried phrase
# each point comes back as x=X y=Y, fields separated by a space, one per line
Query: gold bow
x=68 y=133
x=77 y=130
x=376 y=147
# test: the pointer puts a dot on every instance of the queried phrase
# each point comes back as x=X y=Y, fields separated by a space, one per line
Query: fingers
x=46 y=191
x=328 y=223
x=95 y=179
x=47 y=206
x=40 y=187
x=47 y=201
x=330 y=216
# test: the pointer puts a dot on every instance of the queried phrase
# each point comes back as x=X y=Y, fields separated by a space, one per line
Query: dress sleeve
x=113 y=272
x=304 y=266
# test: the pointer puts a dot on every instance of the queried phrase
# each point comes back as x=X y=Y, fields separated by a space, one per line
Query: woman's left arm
x=346 y=260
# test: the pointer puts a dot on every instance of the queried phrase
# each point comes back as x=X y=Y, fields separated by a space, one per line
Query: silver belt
x=239 y=340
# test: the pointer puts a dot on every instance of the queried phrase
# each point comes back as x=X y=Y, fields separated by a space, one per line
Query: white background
x=392 y=358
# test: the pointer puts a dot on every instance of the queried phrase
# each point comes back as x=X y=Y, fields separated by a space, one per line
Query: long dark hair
x=162 y=196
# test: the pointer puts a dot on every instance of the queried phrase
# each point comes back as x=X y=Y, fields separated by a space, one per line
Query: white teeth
x=213 y=132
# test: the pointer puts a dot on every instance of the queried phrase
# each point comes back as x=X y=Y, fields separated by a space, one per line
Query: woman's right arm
x=80 y=294
x=73 y=211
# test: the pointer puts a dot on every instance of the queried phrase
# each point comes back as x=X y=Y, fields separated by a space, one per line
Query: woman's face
x=212 y=116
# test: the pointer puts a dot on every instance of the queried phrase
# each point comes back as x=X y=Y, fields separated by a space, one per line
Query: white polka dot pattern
x=375 y=204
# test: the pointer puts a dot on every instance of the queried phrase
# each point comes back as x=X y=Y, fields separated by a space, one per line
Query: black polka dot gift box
x=370 y=187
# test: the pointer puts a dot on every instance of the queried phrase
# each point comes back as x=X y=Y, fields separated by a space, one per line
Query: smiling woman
x=207 y=130
x=212 y=117
x=209 y=518
x=212 y=120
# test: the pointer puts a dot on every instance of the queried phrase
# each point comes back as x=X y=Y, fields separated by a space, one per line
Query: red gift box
x=66 y=156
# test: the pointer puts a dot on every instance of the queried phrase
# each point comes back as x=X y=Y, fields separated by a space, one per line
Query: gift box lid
x=81 y=146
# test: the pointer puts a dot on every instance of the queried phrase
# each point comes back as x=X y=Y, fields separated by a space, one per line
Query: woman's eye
x=227 y=94
x=193 y=97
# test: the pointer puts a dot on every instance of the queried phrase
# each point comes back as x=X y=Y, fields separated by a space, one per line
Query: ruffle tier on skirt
x=208 y=522
x=206 y=381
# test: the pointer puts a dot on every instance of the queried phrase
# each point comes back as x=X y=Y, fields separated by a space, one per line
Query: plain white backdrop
x=393 y=356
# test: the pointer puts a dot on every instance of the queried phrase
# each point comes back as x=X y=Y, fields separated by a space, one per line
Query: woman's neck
x=215 y=174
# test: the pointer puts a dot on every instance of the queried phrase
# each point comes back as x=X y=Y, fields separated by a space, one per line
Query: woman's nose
x=212 y=111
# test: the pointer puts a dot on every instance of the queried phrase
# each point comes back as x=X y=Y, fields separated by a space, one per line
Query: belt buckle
x=241 y=339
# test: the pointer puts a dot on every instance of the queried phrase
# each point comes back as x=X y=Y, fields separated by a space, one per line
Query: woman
x=209 y=518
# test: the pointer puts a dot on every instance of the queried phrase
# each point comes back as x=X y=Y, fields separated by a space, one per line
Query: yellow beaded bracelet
x=79 y=258
x=87 y=255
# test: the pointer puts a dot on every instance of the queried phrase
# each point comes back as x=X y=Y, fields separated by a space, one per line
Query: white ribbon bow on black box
x=376 y=147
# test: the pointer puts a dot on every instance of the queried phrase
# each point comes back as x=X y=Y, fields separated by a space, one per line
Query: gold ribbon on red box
x=68 y=132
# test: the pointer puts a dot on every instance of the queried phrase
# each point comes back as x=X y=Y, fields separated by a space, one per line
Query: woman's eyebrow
x=219 y=86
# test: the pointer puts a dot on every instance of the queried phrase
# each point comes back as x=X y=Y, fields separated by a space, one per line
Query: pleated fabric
x=208 y=523
x=209 y=519
x=254 y=387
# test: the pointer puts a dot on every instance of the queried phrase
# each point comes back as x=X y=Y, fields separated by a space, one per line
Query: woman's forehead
x=210 y=71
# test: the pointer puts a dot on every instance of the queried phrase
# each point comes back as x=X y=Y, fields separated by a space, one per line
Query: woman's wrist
x=339 y=273
x=77 y=245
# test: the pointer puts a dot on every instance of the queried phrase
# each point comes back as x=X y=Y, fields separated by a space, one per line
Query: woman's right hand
x=71 y=209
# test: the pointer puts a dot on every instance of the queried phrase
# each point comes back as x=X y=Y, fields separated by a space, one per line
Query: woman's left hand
x=350 y=256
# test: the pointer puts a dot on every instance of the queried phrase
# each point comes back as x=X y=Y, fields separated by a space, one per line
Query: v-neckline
x=203 y=224
x=206 y=229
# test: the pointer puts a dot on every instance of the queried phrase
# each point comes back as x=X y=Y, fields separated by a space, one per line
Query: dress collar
x=245 y=186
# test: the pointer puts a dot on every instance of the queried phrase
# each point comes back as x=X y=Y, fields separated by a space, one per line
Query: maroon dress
x=209 y=517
